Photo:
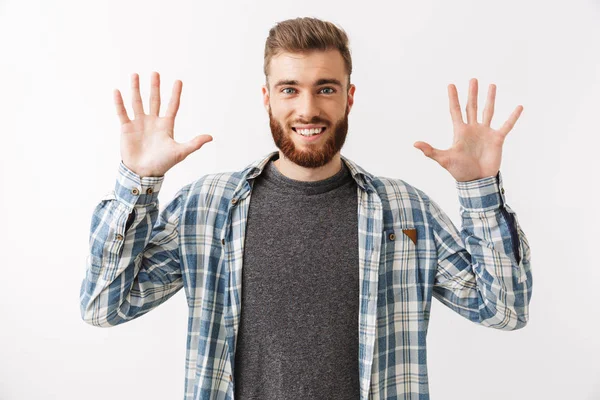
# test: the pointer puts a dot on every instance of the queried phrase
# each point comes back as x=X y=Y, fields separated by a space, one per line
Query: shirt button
x=233 y=201
x=230 y=378
x=392 y=236
x=222 y=241
x=502 y=190
x=149 y=191
x=119 y=236
x=135 y=191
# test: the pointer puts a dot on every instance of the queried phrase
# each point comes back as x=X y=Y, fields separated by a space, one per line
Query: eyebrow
x=319 y=82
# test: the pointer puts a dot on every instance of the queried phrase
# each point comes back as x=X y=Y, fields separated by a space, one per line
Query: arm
x=487 y=279
x=134 y=262
x=484 y=271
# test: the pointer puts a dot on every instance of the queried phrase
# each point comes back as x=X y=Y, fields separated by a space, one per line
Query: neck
x=296 y=172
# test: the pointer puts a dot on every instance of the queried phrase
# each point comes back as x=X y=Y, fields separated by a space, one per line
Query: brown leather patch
x=411 y=233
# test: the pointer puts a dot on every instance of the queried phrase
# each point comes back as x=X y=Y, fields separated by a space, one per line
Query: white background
x=61 y=60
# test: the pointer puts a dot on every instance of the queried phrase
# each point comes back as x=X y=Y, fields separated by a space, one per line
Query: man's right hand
x=147 y=144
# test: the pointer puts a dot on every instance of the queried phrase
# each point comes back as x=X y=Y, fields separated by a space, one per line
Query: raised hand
x=476 y=150
x=147 y=144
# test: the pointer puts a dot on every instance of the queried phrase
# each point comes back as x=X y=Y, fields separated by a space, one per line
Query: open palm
x=147 y=144
x=476 y=150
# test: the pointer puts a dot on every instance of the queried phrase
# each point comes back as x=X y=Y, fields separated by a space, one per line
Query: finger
x=472 y=102
x=193 y=145
x=440 y=156
x=174 y=102
x=121 y=111
x=454 y=105
x=488 y=111
x=138 y=106
x=155 y=94
x=512 y=120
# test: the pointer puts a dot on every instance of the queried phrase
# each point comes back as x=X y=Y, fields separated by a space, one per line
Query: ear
x=351 y=90
x=266 y=98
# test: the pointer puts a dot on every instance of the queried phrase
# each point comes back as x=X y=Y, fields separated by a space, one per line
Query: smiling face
x=308 y=101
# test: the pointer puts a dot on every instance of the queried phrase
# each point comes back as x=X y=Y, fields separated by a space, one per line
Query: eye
x=288 y=88
x=329 y=88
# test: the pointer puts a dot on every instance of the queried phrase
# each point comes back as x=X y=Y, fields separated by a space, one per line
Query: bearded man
x=306 y=276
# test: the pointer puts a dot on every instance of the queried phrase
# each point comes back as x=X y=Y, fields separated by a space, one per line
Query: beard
x=316 y=154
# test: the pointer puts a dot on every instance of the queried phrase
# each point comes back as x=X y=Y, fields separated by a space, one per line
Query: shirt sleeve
x=483 y=271
x=134 y=263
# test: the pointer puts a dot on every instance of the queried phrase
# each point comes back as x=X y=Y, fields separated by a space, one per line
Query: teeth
x=309 y=132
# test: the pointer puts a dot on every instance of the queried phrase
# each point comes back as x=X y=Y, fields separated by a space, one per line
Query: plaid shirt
x=409 y=252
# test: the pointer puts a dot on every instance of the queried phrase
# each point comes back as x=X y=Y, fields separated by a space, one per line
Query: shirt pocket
x=401 y=277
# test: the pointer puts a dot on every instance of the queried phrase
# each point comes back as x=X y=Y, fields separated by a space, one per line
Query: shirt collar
x=363 y=179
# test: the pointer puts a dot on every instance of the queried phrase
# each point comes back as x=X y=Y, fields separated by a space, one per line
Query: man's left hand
x=476 y=150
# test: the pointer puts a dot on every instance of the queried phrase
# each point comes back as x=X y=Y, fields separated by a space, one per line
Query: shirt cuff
x=133 y=190
x=482 y=194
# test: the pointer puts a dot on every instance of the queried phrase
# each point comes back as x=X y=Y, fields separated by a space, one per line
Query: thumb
x=194 y=144
x=431 y=152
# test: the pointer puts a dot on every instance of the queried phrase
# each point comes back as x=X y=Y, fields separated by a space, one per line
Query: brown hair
x=305 y=34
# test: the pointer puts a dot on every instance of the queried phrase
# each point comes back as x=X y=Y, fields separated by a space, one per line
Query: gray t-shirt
x=298 y=332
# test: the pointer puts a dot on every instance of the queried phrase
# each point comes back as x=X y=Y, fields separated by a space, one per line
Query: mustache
x=314 y=120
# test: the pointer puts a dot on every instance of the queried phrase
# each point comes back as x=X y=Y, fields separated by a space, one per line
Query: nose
x=308 y=107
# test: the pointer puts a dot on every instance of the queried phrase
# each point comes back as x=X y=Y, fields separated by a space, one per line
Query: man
x=339 y=266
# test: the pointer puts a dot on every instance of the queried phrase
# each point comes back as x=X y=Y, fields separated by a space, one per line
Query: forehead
x=306 y=67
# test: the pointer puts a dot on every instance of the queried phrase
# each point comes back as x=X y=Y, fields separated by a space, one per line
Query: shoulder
x=217 y=186
x=225 y=184
x=402 y=203
x=399 y=192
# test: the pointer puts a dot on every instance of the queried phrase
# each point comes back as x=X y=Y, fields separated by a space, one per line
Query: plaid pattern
x=196 y=242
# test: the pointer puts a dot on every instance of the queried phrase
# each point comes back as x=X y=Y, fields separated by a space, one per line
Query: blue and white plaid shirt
x=409 y=252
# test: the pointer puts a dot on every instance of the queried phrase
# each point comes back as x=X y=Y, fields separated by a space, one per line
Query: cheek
x=282 y=111
x=284 y=117
x=280 y=120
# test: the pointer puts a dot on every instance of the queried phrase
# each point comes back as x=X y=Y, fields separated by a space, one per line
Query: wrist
x=482 y=194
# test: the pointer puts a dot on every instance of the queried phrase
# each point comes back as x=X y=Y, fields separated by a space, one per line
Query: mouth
x=310 y=134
